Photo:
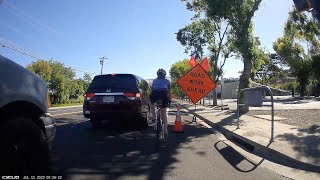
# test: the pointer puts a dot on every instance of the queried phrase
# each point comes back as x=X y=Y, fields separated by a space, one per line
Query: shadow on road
x=80 y=149
x=234 y=158
x=306 y=146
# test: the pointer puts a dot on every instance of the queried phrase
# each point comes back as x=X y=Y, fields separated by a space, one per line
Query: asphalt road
x=83 y=152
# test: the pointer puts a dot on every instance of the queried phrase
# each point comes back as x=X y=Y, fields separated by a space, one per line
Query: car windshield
x=80 y=81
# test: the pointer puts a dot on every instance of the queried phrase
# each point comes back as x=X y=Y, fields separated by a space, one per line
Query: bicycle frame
x=158 y=126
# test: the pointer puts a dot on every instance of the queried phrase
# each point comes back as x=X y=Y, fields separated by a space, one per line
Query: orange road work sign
x=196 y=83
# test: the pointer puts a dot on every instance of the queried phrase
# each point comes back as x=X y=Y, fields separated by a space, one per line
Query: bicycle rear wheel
x=158 y=130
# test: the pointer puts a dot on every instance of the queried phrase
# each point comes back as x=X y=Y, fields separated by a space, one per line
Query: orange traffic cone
x=178 y=124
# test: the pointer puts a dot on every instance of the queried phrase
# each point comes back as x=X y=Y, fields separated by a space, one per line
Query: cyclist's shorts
x=158 y=95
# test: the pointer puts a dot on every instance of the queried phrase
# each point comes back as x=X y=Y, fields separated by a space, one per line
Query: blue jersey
x=160 y=85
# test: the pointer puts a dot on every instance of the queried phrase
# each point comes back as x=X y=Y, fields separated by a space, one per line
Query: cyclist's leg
x=164 y=117
x=153 y=111
x=164 y=114
x=153 y=100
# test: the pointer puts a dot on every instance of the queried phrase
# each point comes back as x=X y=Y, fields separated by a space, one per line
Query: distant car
x=26 y=129
x=122 y=99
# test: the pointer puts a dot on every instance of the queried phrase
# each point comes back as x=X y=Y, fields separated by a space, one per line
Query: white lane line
x=57 y=110
x=60 y=112
x=65 y=107
x=65 y=113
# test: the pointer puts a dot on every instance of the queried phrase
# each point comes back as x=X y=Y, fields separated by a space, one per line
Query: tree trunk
x=303 y=88
x=244 y=81
x=317 y=90
x=246 y=55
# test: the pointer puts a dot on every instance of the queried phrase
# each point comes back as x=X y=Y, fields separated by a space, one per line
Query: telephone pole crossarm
x=102 y=62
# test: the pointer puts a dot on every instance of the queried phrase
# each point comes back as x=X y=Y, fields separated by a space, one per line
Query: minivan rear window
x=114 y=83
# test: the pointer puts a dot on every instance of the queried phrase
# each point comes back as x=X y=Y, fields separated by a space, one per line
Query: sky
x=137 y=36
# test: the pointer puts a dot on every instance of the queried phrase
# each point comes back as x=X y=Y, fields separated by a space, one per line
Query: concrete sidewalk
x=293 y=147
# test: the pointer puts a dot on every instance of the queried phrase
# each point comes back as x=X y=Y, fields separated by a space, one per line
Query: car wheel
x=24 y=149
x=86 y=116
x=95 y=123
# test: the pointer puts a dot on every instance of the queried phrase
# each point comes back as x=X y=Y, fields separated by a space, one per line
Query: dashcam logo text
x=10 y=177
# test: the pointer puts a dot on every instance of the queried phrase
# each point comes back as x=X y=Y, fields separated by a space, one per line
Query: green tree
x=59 y=67
x=238 y=14
x=87 y=80
x=315 y=64
x=260 y=59
x=77 y=89
x=206 y=34
x=41 y=68
x=61 y=81
x=270 y=69
x=58 y=88
x=177 y=70
x=298 y=44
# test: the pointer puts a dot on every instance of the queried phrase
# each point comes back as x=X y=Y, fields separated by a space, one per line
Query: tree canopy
x=177 y=70
x=61 y=80
x=238 y=15
x=42 y=68
x=298 y=44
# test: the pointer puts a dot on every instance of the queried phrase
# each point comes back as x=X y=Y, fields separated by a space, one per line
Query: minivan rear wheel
x=95 y=123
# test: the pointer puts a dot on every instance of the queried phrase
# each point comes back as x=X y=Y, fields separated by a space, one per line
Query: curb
x=258 y=149
x=64 y=107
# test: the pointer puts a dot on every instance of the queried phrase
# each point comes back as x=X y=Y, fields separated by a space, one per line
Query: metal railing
x=254 y=97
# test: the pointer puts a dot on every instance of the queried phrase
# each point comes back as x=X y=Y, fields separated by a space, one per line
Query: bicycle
x=158 y=127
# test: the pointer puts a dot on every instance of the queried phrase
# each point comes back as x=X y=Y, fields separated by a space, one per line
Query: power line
x=28 y=18
x=11 y=10
x=16 y=50
x=32 y=21
x=33 y=56
x=25 y=35
x=19 y=47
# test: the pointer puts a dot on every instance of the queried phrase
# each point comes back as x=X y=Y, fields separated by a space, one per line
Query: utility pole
x=221 y=86
x=102 y=61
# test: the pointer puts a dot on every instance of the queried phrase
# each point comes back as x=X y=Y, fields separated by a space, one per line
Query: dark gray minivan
x=122 y=99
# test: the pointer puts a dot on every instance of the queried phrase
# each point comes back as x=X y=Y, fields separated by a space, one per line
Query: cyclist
x=160 y=90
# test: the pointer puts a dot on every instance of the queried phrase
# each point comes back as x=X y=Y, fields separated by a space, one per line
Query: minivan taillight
x=132 y=95
x=88 y=96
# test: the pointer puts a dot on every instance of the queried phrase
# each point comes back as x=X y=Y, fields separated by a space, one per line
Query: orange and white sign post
x=196 y=83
